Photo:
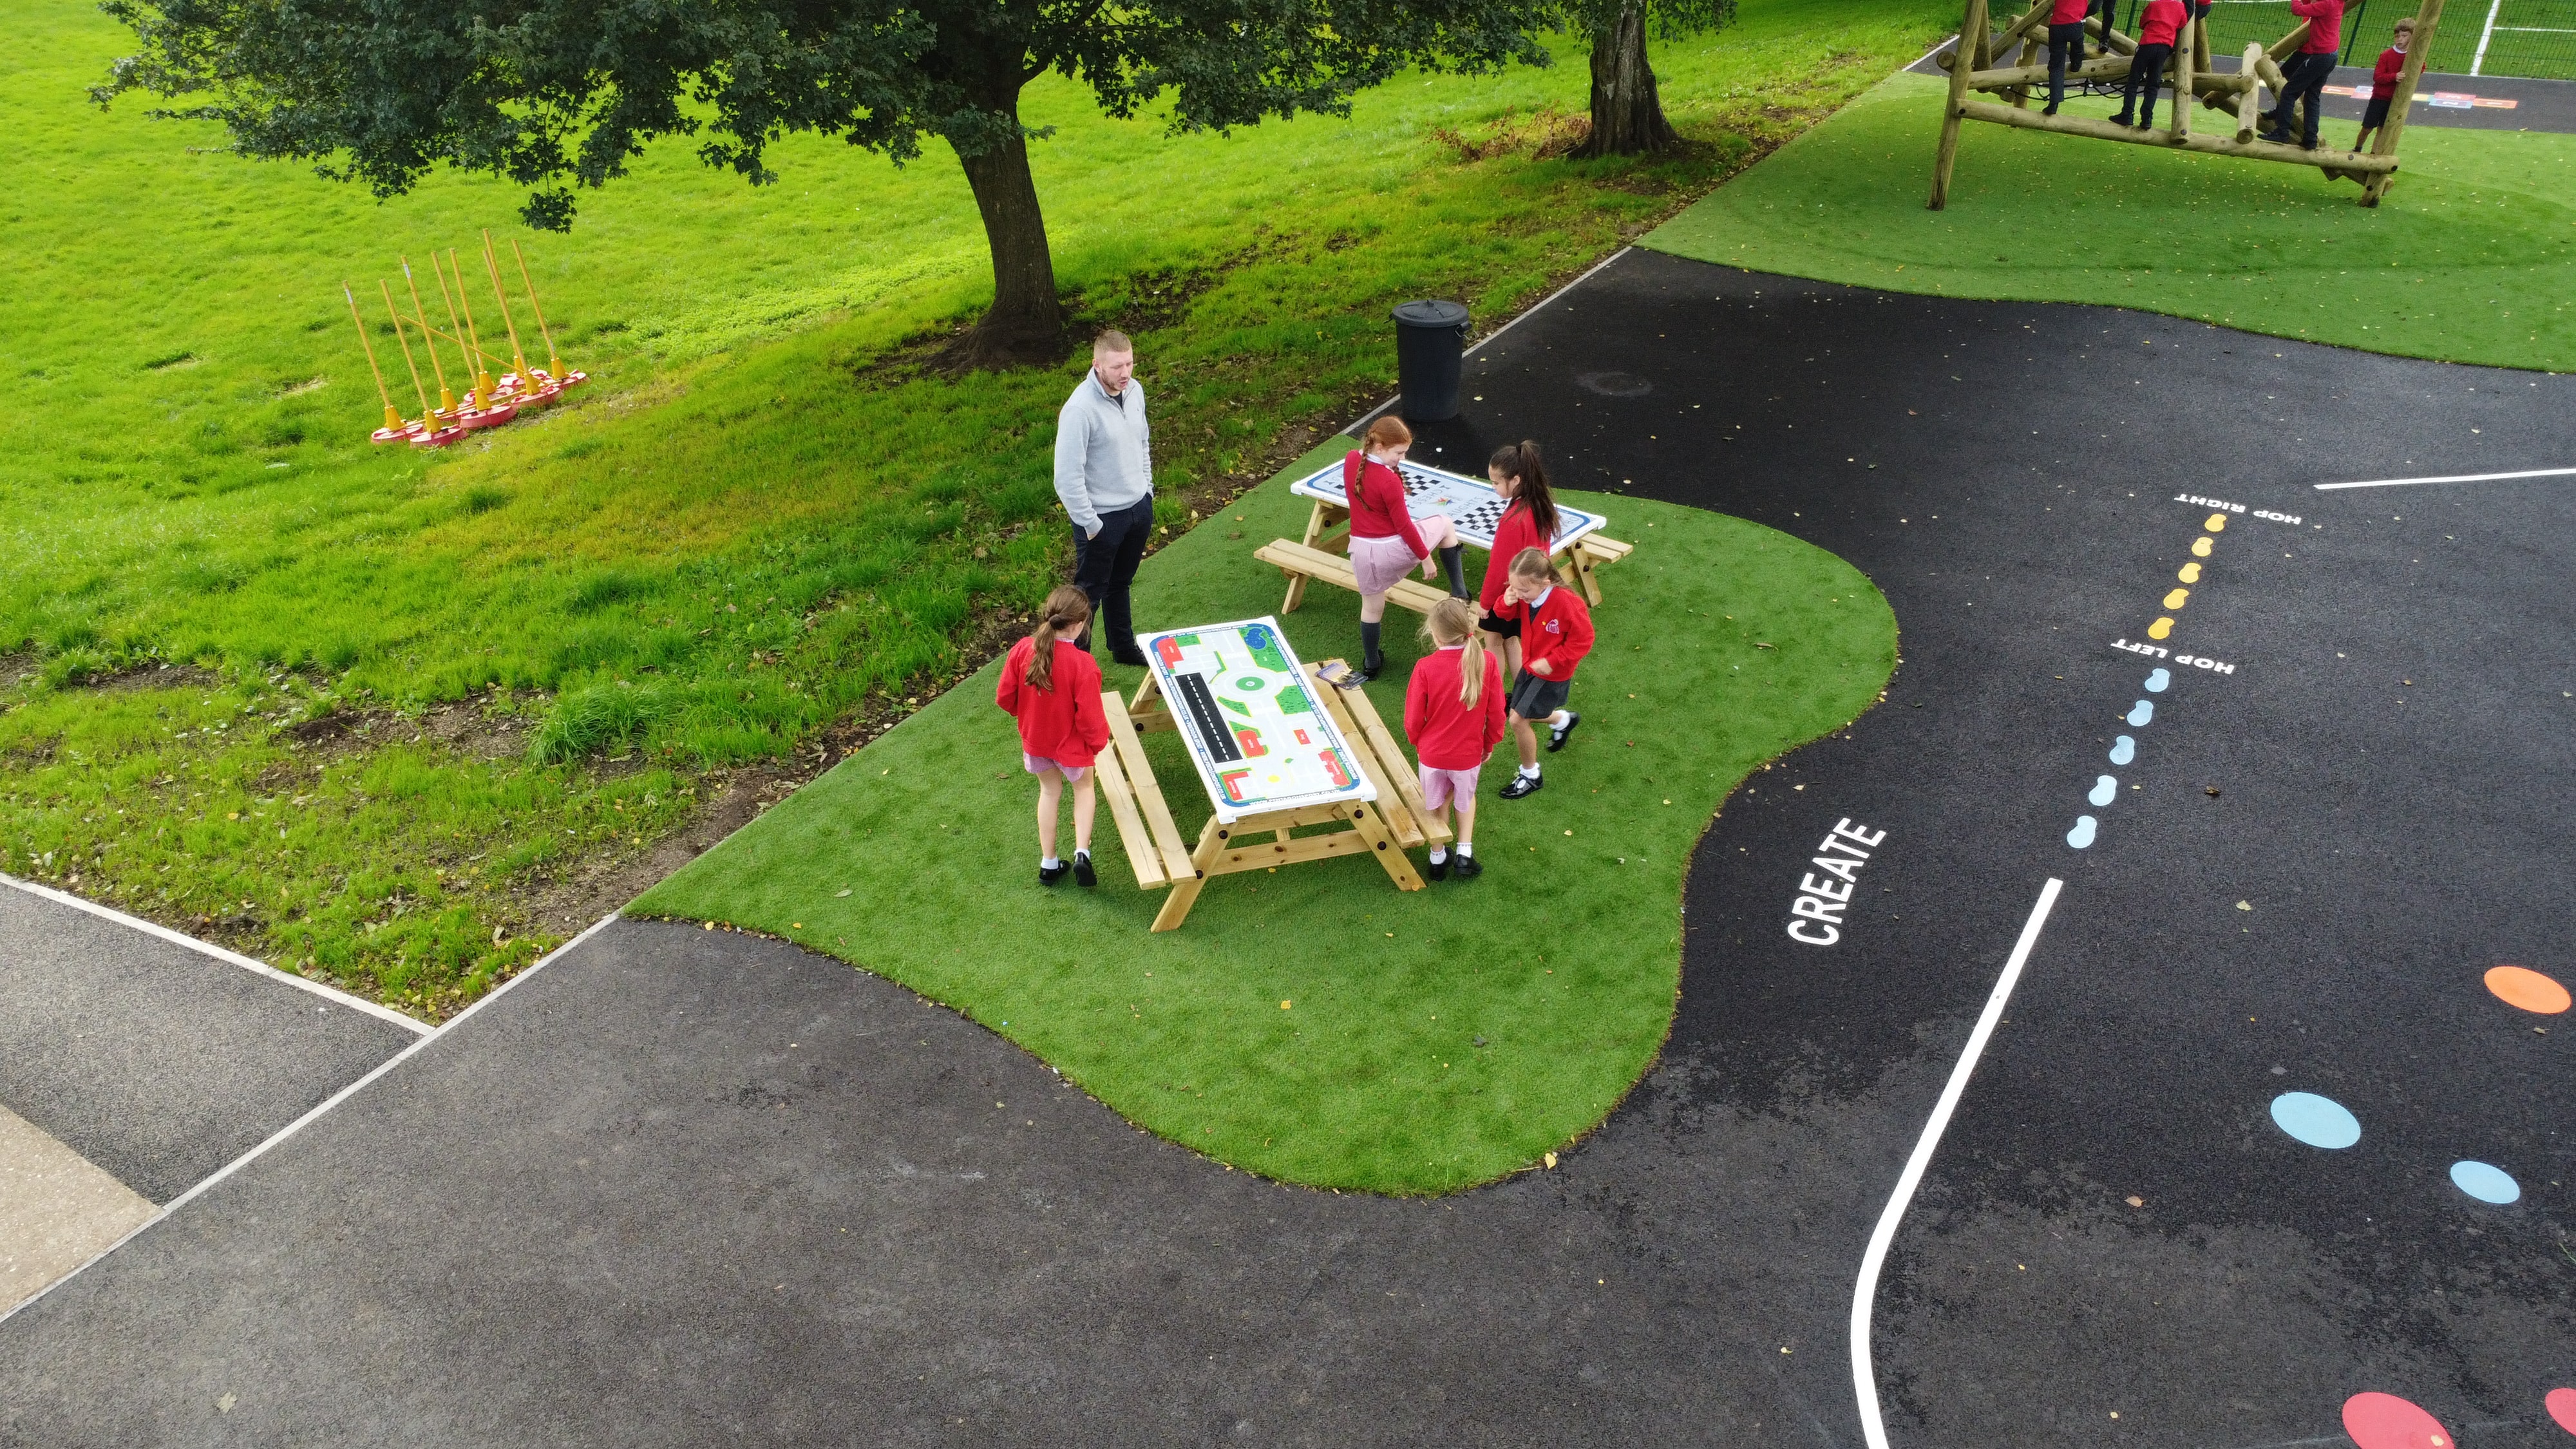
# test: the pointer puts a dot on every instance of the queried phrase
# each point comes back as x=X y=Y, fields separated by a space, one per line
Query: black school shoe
x=1522 y=786
x=1439 y=869
x=1050 y=874
x=2126 y=119
x=1468 y=867
x=1556 y=738
x=1083 y=875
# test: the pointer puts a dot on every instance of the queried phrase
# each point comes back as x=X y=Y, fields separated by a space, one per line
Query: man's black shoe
x=1522 y=785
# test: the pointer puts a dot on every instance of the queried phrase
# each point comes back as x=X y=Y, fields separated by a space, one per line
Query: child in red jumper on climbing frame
x=1386 y=539
x=1528 y=521
x=2065 y=46
x=2304 y=78
x=1453 y=713
x=2383 y=81
x=2158 y=26
x=1052 y=687
x=1556 y=632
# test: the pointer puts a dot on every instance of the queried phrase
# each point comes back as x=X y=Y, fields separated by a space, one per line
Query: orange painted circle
x=2521 y=986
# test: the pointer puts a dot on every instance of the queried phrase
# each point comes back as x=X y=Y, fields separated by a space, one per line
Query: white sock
x=1438 y=855
x=1529 y=772
x=1082 y=855
x=1466 y=850
x=1557 y=720
x=1048 y=862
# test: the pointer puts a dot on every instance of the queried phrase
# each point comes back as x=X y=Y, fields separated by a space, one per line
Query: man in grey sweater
x=1104 y=472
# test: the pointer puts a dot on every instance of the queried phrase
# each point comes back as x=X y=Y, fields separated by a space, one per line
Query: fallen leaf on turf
x=836 y=895
x=1283 y=1006
x=1549 y=1159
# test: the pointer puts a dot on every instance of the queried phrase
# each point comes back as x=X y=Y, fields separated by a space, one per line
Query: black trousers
x=2063 y=41
x=2306 y=76
x=1104 y=567
x=2147 y=70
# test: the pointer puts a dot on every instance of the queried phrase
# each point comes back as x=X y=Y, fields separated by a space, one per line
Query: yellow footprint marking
x=2217 y=523
x=2175 y=599
x=2190 y=573
x=2160 y=628
x=2200 y=548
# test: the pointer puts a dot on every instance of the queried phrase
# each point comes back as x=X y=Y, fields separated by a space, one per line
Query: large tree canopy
x=558 y=94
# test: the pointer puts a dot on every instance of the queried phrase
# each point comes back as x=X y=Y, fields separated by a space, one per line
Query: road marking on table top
x=1864 y=1380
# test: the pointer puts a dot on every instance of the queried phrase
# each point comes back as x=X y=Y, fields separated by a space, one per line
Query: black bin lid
x=1439 y=315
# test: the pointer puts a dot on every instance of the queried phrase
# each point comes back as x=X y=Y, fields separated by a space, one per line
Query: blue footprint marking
x=2123 y=750
x=2105 y=790
x=2316 y=1121
x=2082 y=835
x=2485 y=1182
x=2143 y=713
x=2157 y=681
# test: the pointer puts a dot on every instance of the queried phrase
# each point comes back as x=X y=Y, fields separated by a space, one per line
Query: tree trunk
x=1627 y=116
x=1026 y=324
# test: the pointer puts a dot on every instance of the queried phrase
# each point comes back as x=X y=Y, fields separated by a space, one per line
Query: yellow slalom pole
x=455 y=333
x=446 y=396
x=483 y=383
x=393 y=415
x=414 y=367
x=554 y=364
x=518 y=359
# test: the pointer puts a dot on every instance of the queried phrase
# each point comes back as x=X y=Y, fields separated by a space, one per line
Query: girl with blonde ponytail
x=1052 y=687
x=1453 y=714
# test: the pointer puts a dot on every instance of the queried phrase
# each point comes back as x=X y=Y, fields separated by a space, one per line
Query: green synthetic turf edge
x=1565 y=956
x=2471 y=258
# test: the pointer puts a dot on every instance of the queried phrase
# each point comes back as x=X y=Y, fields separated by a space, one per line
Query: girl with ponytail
x=1052 y=687
x=1453 y=713
x=1386 y=539
x=1529 y=521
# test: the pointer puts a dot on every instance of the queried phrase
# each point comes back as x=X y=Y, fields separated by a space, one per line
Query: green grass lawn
x=917 y=860
x=2471 y=258
x=757 y=526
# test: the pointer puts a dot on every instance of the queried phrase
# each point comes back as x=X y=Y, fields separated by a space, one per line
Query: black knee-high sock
x=1370 y=659
x=1452 y=563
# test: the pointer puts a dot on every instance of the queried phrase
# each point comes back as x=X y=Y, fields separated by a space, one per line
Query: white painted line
x=1927 y=55
x=1864 y=1379
x=2480 y=59
x=2451 y=478
x=332 y=993
x=334 y=1100
x=1371 y=415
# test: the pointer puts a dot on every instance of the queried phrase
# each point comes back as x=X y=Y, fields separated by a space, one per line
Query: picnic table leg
x=1185 y=893
x=1316 y=522
x=1390 y=854
x=1583 y=567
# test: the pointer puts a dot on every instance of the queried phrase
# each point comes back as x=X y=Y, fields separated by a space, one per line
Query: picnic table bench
x=1471 y=503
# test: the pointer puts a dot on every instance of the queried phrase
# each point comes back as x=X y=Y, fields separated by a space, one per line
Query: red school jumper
x=1063 y=724
x=1377 y=503
x=1558 y=629
x=2161 y=21
x=2325 y=25
x=1447 y=732
x=1517 y=531
x=2383 y=76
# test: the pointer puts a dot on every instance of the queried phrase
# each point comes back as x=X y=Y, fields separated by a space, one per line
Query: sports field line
x=332 y=993
x=326 y=1104
x=2451 y=478
x=1873 y=1424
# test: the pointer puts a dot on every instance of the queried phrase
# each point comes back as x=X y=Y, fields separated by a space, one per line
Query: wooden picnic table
x=1276 y=748
x=1471 y=504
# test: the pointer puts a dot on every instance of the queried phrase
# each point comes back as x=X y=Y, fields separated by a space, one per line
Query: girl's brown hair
x=1389 y=431
x=1521 y=460
x=1067 y=606
x=1531 y=563
x=1452 y=622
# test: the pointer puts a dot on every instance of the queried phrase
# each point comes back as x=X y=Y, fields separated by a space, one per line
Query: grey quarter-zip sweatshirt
x=1104 y=457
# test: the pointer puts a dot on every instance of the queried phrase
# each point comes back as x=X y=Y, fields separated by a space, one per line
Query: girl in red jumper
x=1529 y=521
x=1386 y=539
x=1052 y=686
x=1556 y=632
x=1453 y=713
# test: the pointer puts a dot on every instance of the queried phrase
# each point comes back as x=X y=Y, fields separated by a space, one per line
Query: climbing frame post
x=1963 y=61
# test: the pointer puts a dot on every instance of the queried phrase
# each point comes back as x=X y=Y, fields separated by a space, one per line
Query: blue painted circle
x=2314 y=1120
x=2485 y=1183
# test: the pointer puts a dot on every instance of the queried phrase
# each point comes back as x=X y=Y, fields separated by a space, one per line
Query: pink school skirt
x=1040 y=764
x=1379 y=562
x=1442 y=787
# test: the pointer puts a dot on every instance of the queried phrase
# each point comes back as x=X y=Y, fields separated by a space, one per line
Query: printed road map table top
x=1246 y=709
x=1471 y=503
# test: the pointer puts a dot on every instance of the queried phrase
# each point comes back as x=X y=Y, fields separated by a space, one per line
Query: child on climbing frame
x=1453 y=713
x=2158 y=25
x=1052 y=687
x=2065 y=40
x=1556 y=632
x=2383 y=81
x=1386 y=539
x=2304 y=78
x=1529 y=521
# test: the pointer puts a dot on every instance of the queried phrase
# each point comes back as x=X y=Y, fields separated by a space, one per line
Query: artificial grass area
x=2471 y=258
x=1315 y=1024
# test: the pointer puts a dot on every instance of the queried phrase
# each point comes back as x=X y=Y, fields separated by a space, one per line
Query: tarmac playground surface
x=677 y=1187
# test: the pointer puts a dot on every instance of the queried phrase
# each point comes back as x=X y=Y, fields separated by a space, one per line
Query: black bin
x=1430 y=348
